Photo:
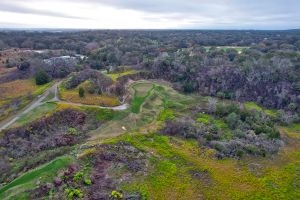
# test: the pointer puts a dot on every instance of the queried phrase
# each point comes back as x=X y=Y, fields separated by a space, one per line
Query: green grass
x=226 y=48
x=220 y=123
x=115 y=76
x=141 y=92
x=172 y=160
x=45 y=172
x=142 y=88
x=204 y=118
x=295 y=127
x=166 y=114
x=293 y=131
x=163 y=103
x=42 y=88
x=254 y=106
x=36 y=113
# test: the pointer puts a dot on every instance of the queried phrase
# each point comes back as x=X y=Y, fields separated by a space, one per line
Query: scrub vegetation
x=200 y=115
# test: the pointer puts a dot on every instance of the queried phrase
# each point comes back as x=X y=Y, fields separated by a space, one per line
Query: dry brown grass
x=17 y=89
x=88 y=99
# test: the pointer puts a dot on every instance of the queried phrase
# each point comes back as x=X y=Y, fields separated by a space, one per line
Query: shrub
x=188 y=87
x=232 y=120
x=24 y=66
x=166 y=114
x=225 y=109
x=239 y=153
x=41 y=78
x=81 y=92
x=78 y=176
x=73 y=131
x=221 y=95
x=71 y=194
x=87 y=181
x=204 y=118
x=116 y=195
x=292 y=106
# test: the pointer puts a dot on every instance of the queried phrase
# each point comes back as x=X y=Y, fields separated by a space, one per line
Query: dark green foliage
x=24 y=65
x=96 y=66
x=232 y=120
x=225 y=109
x=81 y=92
x=41 y=77
x=188 y=87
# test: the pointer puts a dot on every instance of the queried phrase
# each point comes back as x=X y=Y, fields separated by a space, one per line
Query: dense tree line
x=267 y=71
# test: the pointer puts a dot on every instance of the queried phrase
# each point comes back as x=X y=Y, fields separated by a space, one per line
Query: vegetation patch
x=179 y=168
x=17 y=94
x=45 y=172
x=141 y=92
x=115 y=75
x=89 y=87
x=44 y=134
x=88 y=99
x=36 y=113
x=232 y=131
x=254 y=106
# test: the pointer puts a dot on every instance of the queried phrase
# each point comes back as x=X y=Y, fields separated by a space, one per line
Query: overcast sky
x=151 y=14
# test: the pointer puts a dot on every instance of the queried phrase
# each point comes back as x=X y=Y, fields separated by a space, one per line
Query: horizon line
x=149 y=29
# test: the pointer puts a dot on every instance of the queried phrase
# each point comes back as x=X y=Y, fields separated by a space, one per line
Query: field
x=141 y=92
x=19 y=88
x=226 y=48
x=17 y=94
x=88 y=99
x=182 y=170
x=179 y=168
x=28 y=179
x=115 y=76
x=148 y=112
x=5 y=70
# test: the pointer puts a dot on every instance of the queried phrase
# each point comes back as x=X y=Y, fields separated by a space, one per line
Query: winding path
x=40 y=100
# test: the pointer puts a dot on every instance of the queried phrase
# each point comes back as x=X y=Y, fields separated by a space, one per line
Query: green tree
x=81 y=92
x=41 y=78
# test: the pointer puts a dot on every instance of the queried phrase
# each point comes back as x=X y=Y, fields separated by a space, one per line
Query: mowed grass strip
x=141 y=92
x=47 y=170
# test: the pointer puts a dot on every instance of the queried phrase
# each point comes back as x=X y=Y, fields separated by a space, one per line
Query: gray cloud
x=12 y=6
x=223 y=13
x=260 y=14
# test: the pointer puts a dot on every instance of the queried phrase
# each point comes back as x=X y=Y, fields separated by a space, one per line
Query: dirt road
x=40 y=100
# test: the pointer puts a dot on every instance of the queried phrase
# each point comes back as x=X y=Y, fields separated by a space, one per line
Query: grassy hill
x=129 y=156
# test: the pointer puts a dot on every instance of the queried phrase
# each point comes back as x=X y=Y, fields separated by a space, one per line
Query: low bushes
x=63 y=128
x=231 y=130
